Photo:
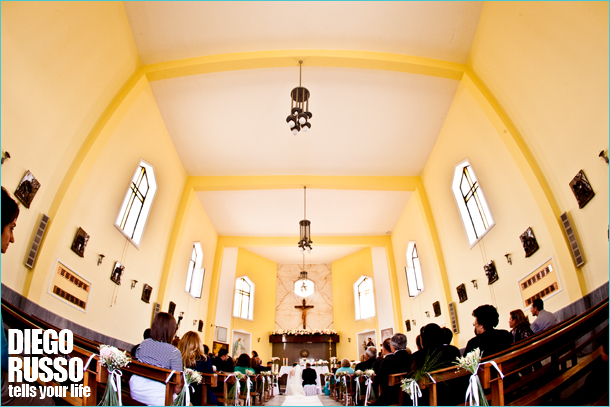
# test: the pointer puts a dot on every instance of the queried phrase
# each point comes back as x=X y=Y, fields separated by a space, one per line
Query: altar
x=296 y=347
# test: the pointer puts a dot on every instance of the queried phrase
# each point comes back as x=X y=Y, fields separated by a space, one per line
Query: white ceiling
x=365 y=122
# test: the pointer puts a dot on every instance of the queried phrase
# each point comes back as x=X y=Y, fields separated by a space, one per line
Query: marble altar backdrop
x=318 y=317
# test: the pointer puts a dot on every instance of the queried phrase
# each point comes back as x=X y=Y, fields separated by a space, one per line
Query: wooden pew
x=556 y=343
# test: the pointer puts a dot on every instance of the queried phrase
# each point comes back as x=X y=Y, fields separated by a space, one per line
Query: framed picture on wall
x=386 y=333
x=216 y=346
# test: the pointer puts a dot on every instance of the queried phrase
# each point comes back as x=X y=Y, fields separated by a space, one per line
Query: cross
x=304 y=309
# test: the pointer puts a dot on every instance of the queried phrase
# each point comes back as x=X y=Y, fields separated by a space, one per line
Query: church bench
x=557 y=343
x=552 y=388
x=228 y=381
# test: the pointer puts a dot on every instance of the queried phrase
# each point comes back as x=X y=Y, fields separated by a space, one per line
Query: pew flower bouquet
x=184 y=397
x=235 y=390
x=409 y=385
x=471 y=362
x=113 y=359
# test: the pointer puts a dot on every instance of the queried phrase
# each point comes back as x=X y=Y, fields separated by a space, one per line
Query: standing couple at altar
x=299 y=378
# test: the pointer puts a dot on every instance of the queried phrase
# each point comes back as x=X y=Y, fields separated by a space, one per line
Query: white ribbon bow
x=473 y=386
x=345 y=384
x=187 y=391
x=248 y=390
x=415 y=391
x=237 y=388
x=89 y=361
x=115 y=376
x=357 y=387
x=369 y=384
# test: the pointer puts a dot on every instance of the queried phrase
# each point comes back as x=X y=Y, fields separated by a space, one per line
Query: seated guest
x=369 y=359
x=309 y=375
x=544 y=319
x=194 y=357
x=434 y=351
x=222 y=362
x=385 y=350
x=244 y=364
x=447 y=336
x=257 y=364
x=345 y=367
x=488 y=339
x=146 y=335
x=157 y=351
x=418 y=342
x=397 y=362
x=520 y=325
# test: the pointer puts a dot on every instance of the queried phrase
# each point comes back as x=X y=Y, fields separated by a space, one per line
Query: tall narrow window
x=136 y=205
x=364 y=298
x=194 y=277
x=471 y=203
x=415 y=280
x=244 y=298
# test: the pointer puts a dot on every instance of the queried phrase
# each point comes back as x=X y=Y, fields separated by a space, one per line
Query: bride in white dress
x=294 y=384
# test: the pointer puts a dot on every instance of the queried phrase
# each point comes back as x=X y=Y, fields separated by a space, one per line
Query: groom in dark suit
x=309 y=375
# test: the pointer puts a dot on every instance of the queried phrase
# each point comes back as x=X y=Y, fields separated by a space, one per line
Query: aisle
x=302 y=401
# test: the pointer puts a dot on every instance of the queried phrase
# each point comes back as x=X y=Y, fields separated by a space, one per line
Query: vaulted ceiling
x=366 y=122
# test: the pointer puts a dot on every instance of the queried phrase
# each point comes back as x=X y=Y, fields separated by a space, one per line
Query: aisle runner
x=302 y=401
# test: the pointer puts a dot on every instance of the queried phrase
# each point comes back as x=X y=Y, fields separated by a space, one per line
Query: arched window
x=243 y=305
x=471 y=203
x=136 y=205
x=415 y=281
x=364 y=298
x=194 y=277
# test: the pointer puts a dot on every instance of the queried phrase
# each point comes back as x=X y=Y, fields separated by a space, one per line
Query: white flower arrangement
x=358 y=373
x=113 y=359
x=471 y=363
x=297 y=332
x=369 y=373
x=190 y=377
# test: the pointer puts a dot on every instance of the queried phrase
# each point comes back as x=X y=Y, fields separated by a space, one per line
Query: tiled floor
x=326 y=401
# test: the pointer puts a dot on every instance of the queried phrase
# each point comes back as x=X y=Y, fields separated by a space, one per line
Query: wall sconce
x=349 y=340
x=100 y=258
x=474 y=283
x=258 y=339
x=133 y=284
x=413 y=322
x=428 y=314
x=508 y=258
x=603 y=154
x=194 y=322
x=5 y=156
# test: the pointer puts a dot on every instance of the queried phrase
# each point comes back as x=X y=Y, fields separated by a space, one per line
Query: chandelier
x=305 y=226
x=304 y=287
x=299 y=108
x=303 y=277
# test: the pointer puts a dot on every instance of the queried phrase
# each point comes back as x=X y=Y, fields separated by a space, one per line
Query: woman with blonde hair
x=345 y=367
x=520 y=325
x=194 y=357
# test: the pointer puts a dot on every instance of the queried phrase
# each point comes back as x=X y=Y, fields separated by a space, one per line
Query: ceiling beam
x=290 y=58
x=257 y=182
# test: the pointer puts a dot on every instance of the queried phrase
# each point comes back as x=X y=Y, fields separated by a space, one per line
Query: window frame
x=357 y=303
x=413 y=268
x=194 y=271
x=250 y=316
x=467 y=222
x=124 y=214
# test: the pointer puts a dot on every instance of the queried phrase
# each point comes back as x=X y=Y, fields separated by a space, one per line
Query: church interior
x=408 y=102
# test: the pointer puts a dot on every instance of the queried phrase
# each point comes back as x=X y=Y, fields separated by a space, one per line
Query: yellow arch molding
x=290 y=58
x=535 y=179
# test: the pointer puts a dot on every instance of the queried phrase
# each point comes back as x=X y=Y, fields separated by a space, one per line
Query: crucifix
x=304 y=309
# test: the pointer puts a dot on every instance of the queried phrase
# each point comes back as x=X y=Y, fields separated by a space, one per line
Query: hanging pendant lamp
x=305 y=227
x=299 y=108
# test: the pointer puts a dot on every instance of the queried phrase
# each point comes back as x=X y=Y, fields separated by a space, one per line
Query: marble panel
x=318 y=317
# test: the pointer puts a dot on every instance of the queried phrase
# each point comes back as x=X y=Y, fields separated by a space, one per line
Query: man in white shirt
x=544 y=319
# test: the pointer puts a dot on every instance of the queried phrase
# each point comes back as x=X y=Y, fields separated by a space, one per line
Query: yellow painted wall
x=547 y=64
x=140 y=135
x=345 y=272
x=411 y=227
x=198 y=228
x=467 y=133
x=263 y=274
x=62 y=63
